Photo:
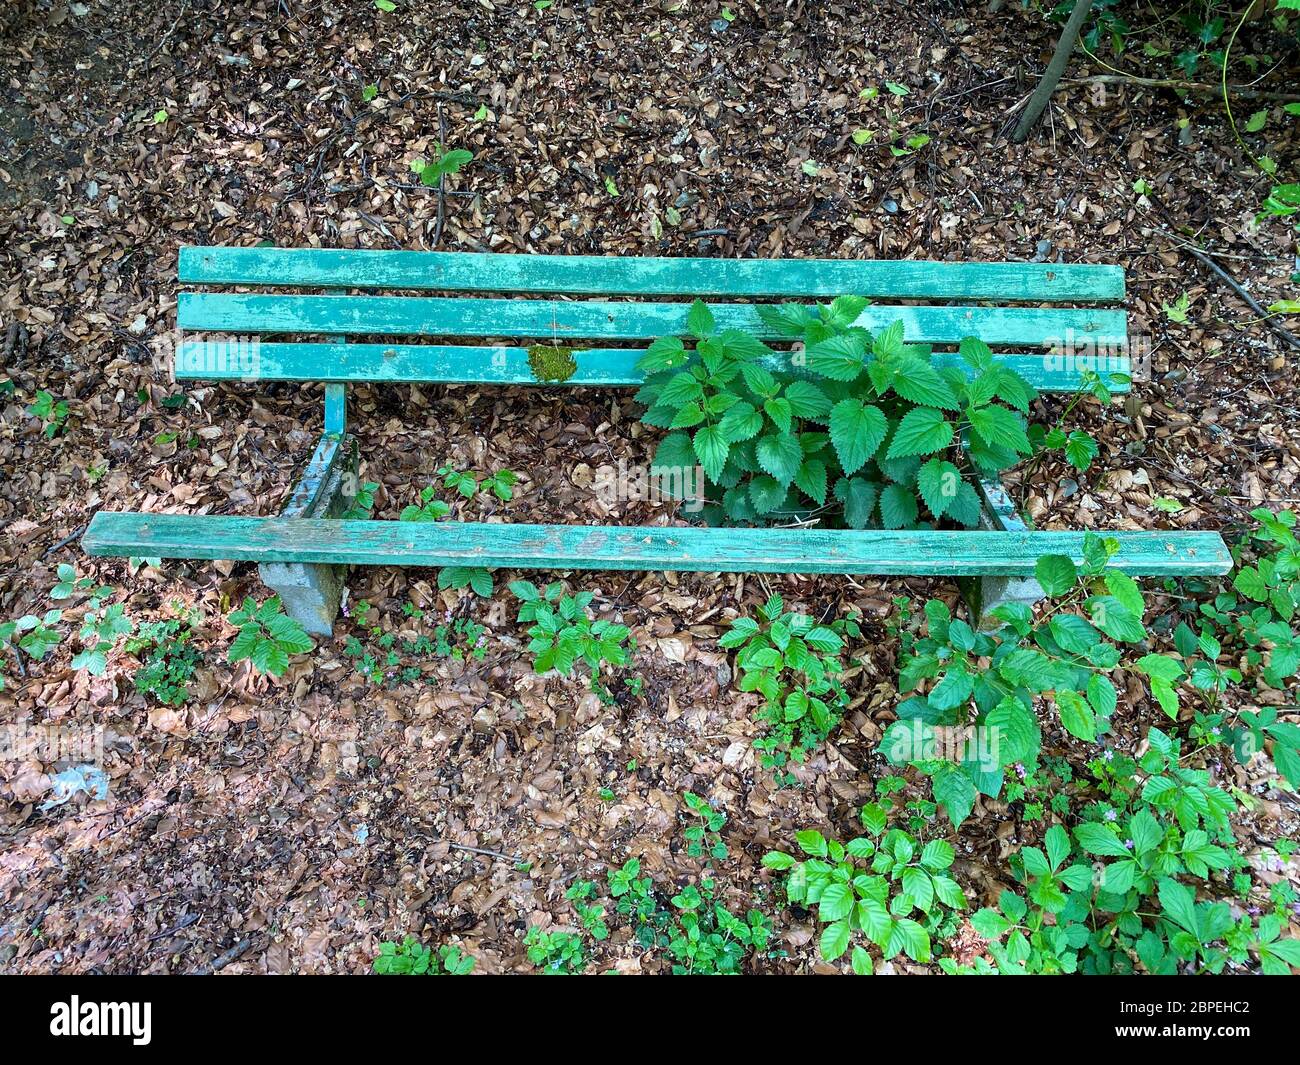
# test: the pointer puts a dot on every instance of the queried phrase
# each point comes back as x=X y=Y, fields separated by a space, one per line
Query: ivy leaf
x=921 y=432
x=857 y=431
x=712 y=448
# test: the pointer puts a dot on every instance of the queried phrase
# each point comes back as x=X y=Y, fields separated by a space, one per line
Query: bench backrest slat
x=637 y=276
x=571 y=321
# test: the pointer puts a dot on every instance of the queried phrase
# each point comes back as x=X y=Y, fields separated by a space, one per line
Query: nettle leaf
x=781 y=413
x=741 y=422
x=966 y=507
x=766 y=493
x=844 y=311
x=741 y=346
x=857 y=431
x=898 y=509
x=807 y=400
x=922 y=431
x=811 y=480
x=859 y=498
x=781 y=455
x=758 y=379
x=841 y=358
x=785 y=319
x=712 y=447
x=666 y=353
x=699 y=321
x=1000 y=428
x=939 y=482
x=917 y=380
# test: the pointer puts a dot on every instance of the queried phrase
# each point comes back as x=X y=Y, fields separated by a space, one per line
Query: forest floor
x=293 y=824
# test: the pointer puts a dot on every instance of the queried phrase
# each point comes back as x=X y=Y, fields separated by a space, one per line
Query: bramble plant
x=51 y=412
x=362 y=503
x=854 y=423
x=904 y=877
x=563 y=632
x=983 y=686
x=267 y=636
x=101 y=628
x=793 y=662
x=412 y=958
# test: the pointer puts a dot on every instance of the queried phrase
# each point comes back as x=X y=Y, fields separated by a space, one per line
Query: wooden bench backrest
x=1021 y=309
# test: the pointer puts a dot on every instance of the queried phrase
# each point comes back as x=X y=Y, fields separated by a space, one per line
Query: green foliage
x=886 y=888
x=859 y=426
x=51 y=412
x=362 y=503
x=556 y=953
x=705 y=834
x=476 y=578
x=1115 y=895
x=168 y=660
x=994 y=680
x=794 y=663
x=267 y=636
x=379 y=655
x=432 y=171
x=101 y=628
x=563 y=632
x=429 y=508
x=411 y=958
x=30 y=635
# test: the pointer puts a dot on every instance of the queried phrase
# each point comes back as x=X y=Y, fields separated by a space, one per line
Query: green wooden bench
x=1020 y=309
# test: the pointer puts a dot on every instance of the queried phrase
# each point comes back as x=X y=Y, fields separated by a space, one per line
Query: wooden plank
x=238 y=360
x=572 y=321
x=611 y=275
x=564 y=547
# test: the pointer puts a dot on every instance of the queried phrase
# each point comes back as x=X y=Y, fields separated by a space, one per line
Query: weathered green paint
x=311 y=592
x=389 y=543
x=500 y=365
x=639 y=276
x=985 y=594
x=567 y=321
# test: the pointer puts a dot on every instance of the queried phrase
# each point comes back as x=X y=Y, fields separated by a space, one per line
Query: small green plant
x=429 y=508
x=869 y=888
x=704 y=835
x=556 y=953
x=34 y=636
x=411 y=958
x=168 y=659
x=51 y=412
x=563 y=632
x=101 y=628
x=476 y=578
x=362 y=503
x=267 y=636
x=794 y=663
x=431 y=172
x=709 y=940
x=589 y=913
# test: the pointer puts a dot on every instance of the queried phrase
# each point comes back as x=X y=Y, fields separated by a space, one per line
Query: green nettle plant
x=267 y=636
x=168 y=659
x=887 y=888
x=793 y=662
x=563 y=633
x=412 y=958
x=977 y=715
x=1117 y=896
x=852 y=425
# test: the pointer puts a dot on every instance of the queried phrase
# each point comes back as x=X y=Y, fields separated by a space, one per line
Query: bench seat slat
x=234 y=360
x=563 y=547
x=574 y=321
x=634 y=276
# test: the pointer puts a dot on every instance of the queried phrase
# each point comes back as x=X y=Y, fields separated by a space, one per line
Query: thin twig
x=1181 y=86
x=442 y=179
x=65 y=541
x=1236 y=287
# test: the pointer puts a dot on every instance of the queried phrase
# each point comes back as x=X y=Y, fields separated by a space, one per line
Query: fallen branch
x=1182 y=86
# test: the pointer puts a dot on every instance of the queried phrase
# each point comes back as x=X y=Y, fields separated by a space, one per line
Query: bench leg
x=983 y=595
x=311 y=592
